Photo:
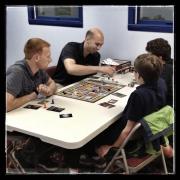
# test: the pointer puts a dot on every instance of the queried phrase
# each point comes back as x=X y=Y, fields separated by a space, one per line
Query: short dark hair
x=34 y=45
x=148 y=66
x=159 y=47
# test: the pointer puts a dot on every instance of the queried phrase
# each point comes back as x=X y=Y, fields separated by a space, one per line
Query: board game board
x=90 y=90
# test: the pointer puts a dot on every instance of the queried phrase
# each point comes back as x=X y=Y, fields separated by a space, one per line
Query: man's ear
x=36 y=57
x=87 y=40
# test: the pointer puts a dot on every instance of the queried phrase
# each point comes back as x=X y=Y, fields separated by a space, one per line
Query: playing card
x=31 y=106
x=112 y=101
x=119 y=94
x=55 y=109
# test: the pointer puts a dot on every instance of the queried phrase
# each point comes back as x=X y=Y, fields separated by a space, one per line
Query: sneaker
x=86 y=160
x=95 y=161
x=52 y=161
x=73 y=171
x=99 y=162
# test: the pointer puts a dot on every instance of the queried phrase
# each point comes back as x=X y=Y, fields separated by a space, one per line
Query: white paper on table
x=109 y=61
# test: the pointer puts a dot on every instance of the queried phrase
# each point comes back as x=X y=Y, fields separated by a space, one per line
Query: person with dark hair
x=161 y=48
x=27 y=77
x=148 y=97
x=80 y=60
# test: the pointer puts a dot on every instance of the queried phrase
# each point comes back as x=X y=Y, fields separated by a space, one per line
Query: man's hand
x=107 y=70
x=44 y=89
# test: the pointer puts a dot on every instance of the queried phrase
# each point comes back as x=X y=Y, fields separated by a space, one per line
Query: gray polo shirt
x=20 y=81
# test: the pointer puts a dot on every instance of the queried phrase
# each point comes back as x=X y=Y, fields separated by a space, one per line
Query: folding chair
x=133 y=165
x=14 y=140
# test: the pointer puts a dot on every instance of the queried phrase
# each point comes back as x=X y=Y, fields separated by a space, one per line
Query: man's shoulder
x=18 y=66
x=72 y=47
x=73 y=44
x=169 y=61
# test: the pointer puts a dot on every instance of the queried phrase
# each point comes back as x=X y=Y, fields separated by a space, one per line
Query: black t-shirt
x=146 y=99
x=74 y=51
x=167 y=75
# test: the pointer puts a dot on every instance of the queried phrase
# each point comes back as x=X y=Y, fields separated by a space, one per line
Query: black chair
x=51 y=70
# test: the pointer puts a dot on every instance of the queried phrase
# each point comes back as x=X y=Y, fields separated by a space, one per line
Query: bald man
x=80 y=60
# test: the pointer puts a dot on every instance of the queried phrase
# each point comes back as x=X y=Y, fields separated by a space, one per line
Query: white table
x=89 y=119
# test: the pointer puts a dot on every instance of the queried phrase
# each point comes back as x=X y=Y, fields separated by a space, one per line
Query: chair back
x=51 y=70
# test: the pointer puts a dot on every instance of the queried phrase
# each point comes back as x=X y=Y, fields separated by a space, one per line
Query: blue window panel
x=147 y=25
x=55 y=21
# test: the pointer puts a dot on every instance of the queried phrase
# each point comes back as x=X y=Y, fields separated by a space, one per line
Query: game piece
x=52 y=101
x=131 y=84
x=45 y=105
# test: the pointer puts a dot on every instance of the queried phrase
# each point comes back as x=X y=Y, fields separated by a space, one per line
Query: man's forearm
x=52 y=87
x=80 y=70
x=18 y=102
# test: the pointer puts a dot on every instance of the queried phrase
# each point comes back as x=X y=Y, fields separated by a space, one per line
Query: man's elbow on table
x=9 y=103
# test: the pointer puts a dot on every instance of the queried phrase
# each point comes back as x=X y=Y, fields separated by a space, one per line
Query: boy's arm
x=129 y=126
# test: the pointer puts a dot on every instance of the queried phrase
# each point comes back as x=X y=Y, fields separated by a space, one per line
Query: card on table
x=65 y=115
x=105 y=104
x=119 y=94
x=32 y=106
x=55 y=109
x=112 y=101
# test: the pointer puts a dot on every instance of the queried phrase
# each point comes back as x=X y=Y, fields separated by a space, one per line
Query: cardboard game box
x=122 y=66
